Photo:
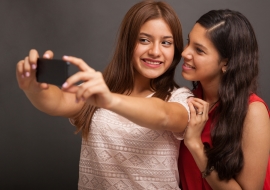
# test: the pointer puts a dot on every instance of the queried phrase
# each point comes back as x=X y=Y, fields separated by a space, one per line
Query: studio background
x=41 y=152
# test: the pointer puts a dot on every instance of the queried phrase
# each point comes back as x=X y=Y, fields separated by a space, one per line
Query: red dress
x=190 y=175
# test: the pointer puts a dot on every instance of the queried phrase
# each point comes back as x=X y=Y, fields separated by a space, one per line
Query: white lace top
x=122 y=155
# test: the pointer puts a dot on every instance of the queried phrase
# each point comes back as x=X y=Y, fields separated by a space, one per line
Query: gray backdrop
x=38 y=151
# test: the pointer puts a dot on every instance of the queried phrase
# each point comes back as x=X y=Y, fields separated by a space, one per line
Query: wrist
x=114 y=102
x=207 y=172
x=194 y=145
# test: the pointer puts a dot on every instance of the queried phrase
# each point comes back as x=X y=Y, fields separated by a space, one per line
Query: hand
x=93 y=89
x=198 y=117
x=26 y=71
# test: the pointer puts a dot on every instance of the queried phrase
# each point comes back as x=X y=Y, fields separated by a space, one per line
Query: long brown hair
x=119 y=74
x=234 y=39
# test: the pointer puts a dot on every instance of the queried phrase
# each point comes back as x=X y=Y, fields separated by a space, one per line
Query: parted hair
x=234 y=38
x=119 y=74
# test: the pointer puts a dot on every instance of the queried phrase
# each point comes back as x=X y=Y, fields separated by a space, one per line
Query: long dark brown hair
x=119 y=74
x=234 y=38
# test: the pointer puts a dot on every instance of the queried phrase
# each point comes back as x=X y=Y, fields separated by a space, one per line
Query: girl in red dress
x=227 y=142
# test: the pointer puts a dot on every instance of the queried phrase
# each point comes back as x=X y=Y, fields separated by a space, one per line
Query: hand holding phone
x=52 y=71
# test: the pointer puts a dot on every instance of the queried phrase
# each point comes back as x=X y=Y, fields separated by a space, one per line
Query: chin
x=186 y=77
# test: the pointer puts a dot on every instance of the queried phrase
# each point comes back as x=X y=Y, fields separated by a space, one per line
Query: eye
x=144 y=40
x=188 y=41
x=200 y=51
x=166 y=43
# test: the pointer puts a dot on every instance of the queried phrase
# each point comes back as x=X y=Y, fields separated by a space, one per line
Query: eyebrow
x=148 y=35
x=198 y=44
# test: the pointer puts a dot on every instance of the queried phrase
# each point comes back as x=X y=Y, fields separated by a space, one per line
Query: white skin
x=202 y=63
x=155 y=45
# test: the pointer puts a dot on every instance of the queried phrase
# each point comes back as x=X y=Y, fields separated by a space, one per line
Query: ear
x=224 y=63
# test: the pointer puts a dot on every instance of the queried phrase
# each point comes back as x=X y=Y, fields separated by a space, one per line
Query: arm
x=152 y=113
x=256 y=141
x=256 y=147
x=47 y=98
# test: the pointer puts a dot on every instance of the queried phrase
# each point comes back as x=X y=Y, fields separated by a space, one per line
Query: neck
x=141 y=86
x=210 y=94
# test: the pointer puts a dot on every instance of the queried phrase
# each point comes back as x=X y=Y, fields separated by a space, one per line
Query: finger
x=33 y=55
x=19 y=70
x=48 y=54
x=201 y=101
x=72 y=89
x=205 y=112
x=198 y=106
x=202 y=113
x=79 y=63
x=77 y=77
x=26 y=67
x=90 y=88
x=192 y=109
x=43 y=85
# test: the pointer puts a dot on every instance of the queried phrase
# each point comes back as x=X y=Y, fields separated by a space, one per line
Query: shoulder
x=257 y=104
x=255 y=143
x=182 y=92
x=257 y=118
x=256 y=125
x=180 y=95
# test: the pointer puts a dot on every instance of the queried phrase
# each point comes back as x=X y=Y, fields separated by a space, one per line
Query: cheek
x=209 y=67
x=169 y=54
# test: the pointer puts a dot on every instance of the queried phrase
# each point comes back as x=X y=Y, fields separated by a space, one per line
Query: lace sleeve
x=180 y=96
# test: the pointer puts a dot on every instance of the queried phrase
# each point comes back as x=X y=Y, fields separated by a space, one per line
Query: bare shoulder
x=255 y=144
x=257 y=118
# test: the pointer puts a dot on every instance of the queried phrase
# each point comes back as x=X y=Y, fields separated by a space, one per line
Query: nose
x=155 y=50
x=186 y=54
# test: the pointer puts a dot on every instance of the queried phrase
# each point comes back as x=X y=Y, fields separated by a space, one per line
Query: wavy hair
x=119 y=74
x=234 y=38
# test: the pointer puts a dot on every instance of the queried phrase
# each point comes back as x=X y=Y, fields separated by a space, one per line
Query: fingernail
x=34 y=66
x=65 y=57
x=27 y=74
x=190 y=99
x=46 y=55
x=77 y=100
x=65 y=85
x=22 y=76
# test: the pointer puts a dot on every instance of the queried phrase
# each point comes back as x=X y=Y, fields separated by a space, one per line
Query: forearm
x=197 y=151
x=52 y=101
x=152 y=113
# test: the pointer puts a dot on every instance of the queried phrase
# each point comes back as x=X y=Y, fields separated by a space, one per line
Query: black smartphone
x=52 y=71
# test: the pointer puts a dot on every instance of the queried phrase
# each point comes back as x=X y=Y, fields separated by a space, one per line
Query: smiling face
x=154 y=50
x=201 y=59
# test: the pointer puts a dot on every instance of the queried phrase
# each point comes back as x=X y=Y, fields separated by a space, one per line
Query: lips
x=152 y=62
x=188 y=66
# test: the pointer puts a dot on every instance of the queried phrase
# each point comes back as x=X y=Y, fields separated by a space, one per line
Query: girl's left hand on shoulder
x=93 y=87
x=198 y=117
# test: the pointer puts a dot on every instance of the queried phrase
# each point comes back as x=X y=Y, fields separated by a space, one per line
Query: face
x=154 y=50
x=201 y=59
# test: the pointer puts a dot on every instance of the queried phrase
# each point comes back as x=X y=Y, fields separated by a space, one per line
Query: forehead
x=199 y=35
x=156 y=26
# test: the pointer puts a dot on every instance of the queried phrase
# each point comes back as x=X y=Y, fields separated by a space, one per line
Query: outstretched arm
x=152 y=113
x=47 y=98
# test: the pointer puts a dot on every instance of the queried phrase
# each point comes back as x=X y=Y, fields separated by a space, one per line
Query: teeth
x=187 y=65
x=152 y=62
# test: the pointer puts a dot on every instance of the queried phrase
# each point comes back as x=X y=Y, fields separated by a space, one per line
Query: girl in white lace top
x=132 y=116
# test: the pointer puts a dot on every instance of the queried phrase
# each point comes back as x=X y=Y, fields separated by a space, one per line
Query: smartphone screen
x=52 y=71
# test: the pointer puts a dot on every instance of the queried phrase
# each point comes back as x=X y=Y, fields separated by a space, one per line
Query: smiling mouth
x=189 y=66
x=152 y=62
